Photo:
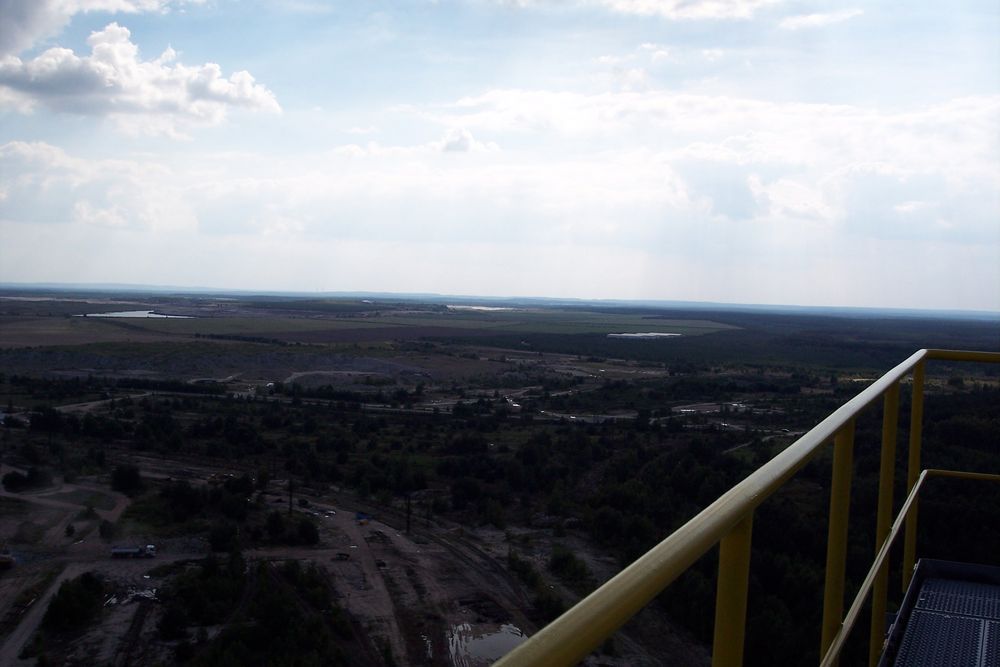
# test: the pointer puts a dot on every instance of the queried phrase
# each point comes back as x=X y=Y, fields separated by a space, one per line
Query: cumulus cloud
x=455 y=140
x=49 y=186
x=713 y=192
x=114 y=81
x=657 y=52
x=505 y=224
x=818 y=20
x=462 y=141
x=742 y=159
x=27 y=21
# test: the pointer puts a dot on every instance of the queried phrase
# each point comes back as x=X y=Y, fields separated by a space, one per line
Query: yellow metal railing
x=877 y=571
x=728 y=522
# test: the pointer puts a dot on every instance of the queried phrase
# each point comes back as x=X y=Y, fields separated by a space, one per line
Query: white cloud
x=724 y=190
x=818 y=20
x=689 y=9
x=910 y=206
x=657 y=52
x=631 y=70
x=787 y=199
x=49 y=186
x=114 y=81
x=462 y=141
x=949 y=138
x=757 y=161
x=455 y=140
x=667 y=9
x=27 y=21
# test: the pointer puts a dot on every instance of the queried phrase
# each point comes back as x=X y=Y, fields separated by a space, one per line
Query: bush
x=16 y=482
x=307 y=532
x=174 y=621
x=126 y=479
x=223 y=537
x=567 y=566
x=76 y=604
x=524 y=570
x=275 y=526
x=548 y=605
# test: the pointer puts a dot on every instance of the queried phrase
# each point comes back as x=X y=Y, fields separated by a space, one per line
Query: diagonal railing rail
x=878 y=568
x=728 y=522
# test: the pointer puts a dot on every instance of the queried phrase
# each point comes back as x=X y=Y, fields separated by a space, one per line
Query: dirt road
x=16 y=640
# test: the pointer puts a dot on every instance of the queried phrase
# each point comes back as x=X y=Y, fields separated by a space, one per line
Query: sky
x=741 y=151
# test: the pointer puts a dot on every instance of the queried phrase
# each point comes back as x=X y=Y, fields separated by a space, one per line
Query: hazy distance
x=807 y=153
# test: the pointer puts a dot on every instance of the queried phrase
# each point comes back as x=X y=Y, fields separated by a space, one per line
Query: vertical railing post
x=836 y=542
x=883 y=520
x=913 y=471
x=731 y=595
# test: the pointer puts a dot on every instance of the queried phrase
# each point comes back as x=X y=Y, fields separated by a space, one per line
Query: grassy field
x=22 y=331
x=86 y=498
x=243 y=326
x=310 y=334
x=13 y=507
x=556 y=321
x=32 y=331
x=553 y=321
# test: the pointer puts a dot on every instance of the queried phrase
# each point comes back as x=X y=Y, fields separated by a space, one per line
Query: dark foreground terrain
x=391 y=481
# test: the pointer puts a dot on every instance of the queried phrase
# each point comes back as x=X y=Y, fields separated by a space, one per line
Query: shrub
x=307 y=532
x=16 y=482
x=223 y=537
x=76 y=603
x=126 y=479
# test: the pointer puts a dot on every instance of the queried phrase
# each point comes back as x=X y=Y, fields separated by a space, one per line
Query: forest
x=565 y=448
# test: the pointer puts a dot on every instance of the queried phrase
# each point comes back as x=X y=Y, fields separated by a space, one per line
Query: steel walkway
x=949 y=618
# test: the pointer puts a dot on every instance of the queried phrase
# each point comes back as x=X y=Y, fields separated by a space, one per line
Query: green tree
x=126 y=479
x=275 y=526
x=307 y=532
x=76 y=604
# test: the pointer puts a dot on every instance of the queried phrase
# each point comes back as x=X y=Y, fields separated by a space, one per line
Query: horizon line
x=437 y=296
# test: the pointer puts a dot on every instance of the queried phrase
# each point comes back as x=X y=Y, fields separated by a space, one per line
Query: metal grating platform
x=951 y=622
x=949 y=596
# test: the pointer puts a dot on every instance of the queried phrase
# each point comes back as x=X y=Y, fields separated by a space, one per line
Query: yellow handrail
x=837 y=644
x=728 y=520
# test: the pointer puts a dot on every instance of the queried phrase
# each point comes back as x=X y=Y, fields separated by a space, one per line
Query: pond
x=137 y=313
x=469 y=647
x=647 y=335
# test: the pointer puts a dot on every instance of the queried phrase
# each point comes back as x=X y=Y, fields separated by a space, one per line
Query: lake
x=137 y=313
x=647 y=335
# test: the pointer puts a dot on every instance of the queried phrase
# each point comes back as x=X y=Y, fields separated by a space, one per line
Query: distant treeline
x=168 y=385
x=621 y=485
x=767 y=339
x=246 y=339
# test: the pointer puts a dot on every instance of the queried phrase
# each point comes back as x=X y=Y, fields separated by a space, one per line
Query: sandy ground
x=408 y=591
x=41 y=519
x=425 y=595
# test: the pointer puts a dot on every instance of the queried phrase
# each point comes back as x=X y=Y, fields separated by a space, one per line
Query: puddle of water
x=471 y=647
x=137 y=313
x=483 y=309
x=649 y=334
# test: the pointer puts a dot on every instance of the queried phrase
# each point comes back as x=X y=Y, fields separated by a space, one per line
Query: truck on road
x=148 y=551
